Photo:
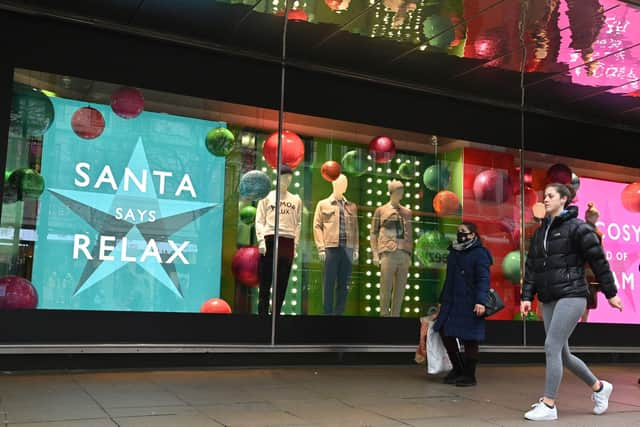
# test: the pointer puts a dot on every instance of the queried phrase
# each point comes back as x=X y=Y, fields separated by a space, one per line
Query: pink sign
x=621 y=242
x=600 y=59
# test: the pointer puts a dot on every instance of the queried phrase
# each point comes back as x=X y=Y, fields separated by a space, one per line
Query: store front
x=139 y=198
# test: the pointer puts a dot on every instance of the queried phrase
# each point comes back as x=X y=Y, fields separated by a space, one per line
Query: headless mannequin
x=289 y=232
x=340 y=186
x=285 y=182
x=392 y=244
x=335 y=231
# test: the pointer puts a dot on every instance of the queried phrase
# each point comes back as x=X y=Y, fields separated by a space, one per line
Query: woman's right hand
x=525 y=308
x=434 y=316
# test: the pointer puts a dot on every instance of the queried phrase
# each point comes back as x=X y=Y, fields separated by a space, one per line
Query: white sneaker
x=542 y=412
x=601 y=398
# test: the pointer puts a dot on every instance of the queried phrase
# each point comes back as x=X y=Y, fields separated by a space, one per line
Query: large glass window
x=120 y=198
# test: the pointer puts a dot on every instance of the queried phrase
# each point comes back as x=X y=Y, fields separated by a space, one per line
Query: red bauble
x=527 y=177
x=530 y=198
x=87 y=123
x=215 y=305
x=630 y=197
x=382 y=149
x=292 y=149
x=245 y=266
x=127 y=102
x=446 y=203
x=492 y=186
x=295 y=15
x=17 y=293
x=331 y=170
x=559 y=173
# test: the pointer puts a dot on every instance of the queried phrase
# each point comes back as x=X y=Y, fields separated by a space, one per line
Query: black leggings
x=285 y=259
x=470 y=346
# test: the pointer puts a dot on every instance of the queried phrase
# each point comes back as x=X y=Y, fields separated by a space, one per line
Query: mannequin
x=289 y=234
x=392 y=245
x=335 y=231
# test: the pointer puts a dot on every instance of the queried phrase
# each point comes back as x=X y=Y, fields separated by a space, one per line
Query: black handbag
x=494 y=303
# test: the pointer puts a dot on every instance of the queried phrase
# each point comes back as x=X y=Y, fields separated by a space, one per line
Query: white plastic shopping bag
x=437 y=357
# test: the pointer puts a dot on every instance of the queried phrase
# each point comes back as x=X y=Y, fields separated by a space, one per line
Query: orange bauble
x=630 y=197
x=446 y=203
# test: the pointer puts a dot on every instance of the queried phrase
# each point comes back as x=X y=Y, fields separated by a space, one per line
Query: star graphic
x=98 y=211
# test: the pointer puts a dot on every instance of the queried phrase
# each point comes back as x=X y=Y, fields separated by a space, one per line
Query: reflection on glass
x=170 y=207
x=591 y=42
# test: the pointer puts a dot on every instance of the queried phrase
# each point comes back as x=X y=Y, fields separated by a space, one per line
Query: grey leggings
x=560 y=319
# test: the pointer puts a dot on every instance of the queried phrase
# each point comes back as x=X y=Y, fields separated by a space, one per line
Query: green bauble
x=439 y=30
x=27 y=183
x=511 y=267
x=354 y=162
x=220 y=141
x=248 y=214
x=407 y=171
x=432 y=249
x=31 y=111
x=436 y=177
x=575 y=181
x=530 y=316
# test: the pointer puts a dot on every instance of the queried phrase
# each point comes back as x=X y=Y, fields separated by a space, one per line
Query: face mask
x=462 y=236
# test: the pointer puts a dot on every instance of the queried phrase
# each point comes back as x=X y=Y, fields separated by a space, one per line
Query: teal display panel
x=131 y=219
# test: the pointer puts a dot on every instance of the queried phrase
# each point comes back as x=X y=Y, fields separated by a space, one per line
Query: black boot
x=468 y=377
x=458 y=368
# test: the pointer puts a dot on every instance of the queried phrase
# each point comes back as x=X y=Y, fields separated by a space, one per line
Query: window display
x=120 y=198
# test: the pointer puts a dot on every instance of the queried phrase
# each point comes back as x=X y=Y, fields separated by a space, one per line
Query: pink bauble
x=382 y=149
x=127 y=102
x=292 y=149
x=216 y=306
x=492 y=186
x=17 y=293
x=244 y=266
x=446 y=203
x=87 y=123
x=630 y=197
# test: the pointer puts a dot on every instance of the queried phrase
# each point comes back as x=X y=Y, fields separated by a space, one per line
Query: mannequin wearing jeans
x=289 y=225
x=392 y=245
x=335 y=231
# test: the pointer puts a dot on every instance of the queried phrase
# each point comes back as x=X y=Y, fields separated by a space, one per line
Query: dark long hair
x=472 y=228
x=565 y=191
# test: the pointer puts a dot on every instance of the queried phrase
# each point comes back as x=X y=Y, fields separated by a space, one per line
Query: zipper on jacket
x=546 y=234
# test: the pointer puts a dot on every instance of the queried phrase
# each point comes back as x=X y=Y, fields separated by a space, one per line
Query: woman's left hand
x=616 y=302
x=479 y=309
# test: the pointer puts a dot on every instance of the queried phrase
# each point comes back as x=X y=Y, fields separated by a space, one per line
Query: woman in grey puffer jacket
x=555 y=270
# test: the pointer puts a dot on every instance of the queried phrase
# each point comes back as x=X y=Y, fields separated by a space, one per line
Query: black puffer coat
x=555 y=266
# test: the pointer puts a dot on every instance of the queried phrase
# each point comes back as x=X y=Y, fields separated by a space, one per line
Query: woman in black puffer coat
x=555 y=271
